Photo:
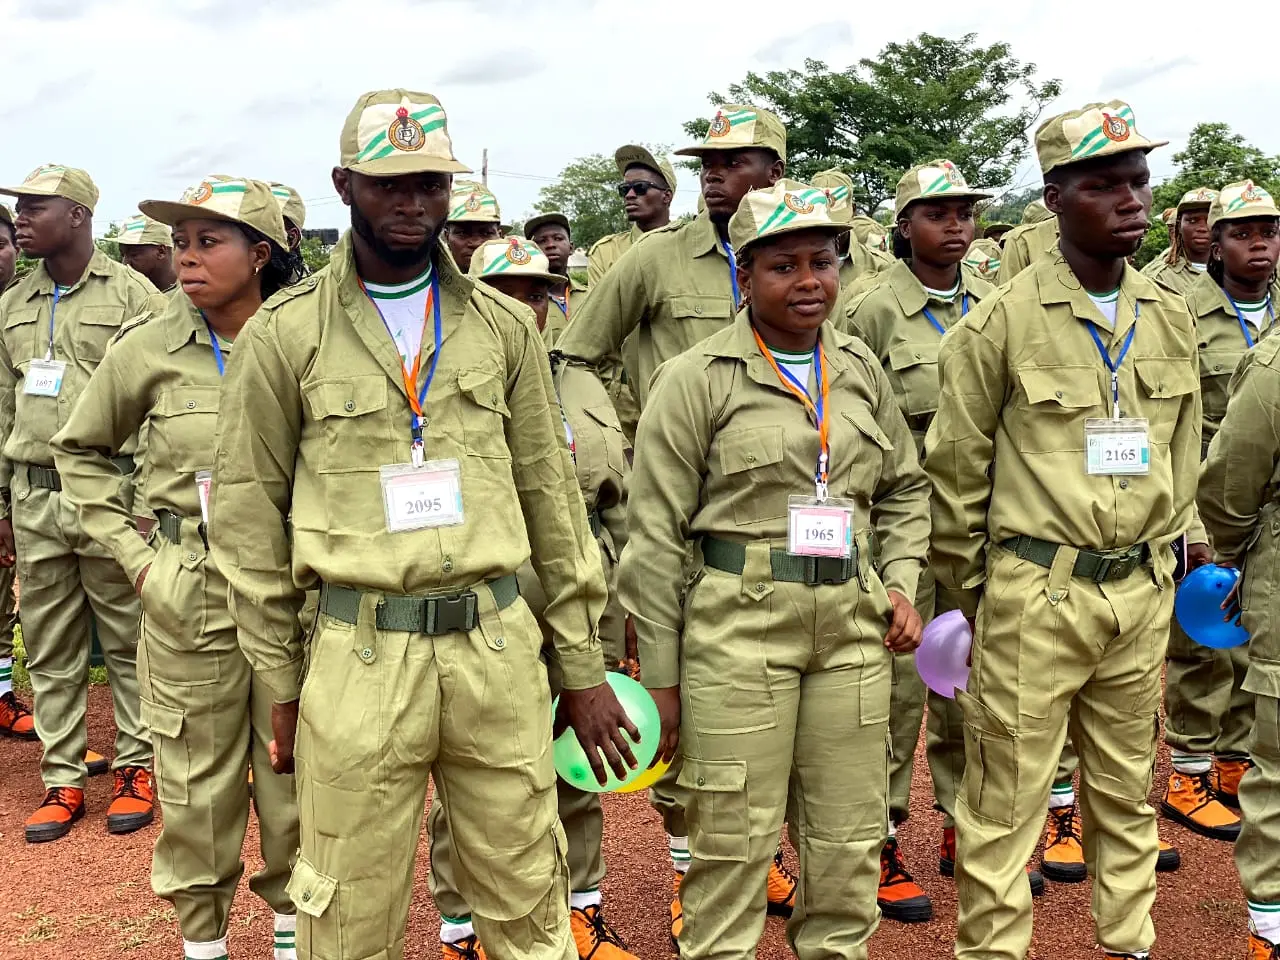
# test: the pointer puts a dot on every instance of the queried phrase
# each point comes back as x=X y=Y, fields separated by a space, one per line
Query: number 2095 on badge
x=425 y=496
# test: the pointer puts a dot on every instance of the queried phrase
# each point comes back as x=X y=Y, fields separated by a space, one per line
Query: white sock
x=587 y=898
x=893 y=829
x=6 y=675
x=1061 y=795
x=1264 y=920
x=455 y=929
x=679 y=847
x=286 y=928
x=213 y=950
x=1190 y=764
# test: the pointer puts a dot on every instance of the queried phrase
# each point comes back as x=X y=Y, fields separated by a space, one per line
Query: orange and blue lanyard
x=733 y=273
x=410 y=374
x=816 y=410
x=1244 y=326
x=964 y=310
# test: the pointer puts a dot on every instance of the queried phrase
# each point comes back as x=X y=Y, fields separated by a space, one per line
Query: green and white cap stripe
x=1242 y=201
x=291 y=205
x=473 y=202
x=1096 y=130
x=237 y=200
x=140 y=230
x=737 y=126
x=838 y=187
x=936 y=180
x=512 y=257
x=398 y=132
x=785 y=207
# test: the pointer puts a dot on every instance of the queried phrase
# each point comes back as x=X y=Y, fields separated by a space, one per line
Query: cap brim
x=403 y=164
x=972 y=195
x=535 y=222
x=172 y=213
x=698 y=149
x=549 y=277
x=29 y=192
x=1250 y=213
x=835 y=229
x=1146 y=146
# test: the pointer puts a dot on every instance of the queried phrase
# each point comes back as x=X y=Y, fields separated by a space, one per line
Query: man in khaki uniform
x=474 y=218
x=1035 y=237
x=647 y=187
x=553 y=235
x=857 y=261
x=401 y=479
x=1238 y=504
x=147 y=246
x=1064 y=457
x=664 y=296
x=56 y=324
x=1188 y=253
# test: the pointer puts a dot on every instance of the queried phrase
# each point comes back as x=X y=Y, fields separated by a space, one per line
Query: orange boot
x=781 y=887
x=1262 y=949
x=947 y=862
x=15 y=719
x=1188 y=801
x=61 y=807
x=1224 y=780
x=677 y=912
x=133 y=801
x=594 y=938
x=1168 y=859
x=96 y=763
x=900 y=897
x=1063 y=858
x=468 y=948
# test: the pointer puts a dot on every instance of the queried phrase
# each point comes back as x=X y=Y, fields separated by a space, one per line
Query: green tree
x=585 y=194
x=1213 y=157
x=314 y=253
x=1008 y=208
x=916 y=101
x=107 y=242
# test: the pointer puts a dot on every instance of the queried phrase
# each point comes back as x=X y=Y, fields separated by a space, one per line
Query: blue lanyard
x=57 y=295
x=217 y=348
x=562 y=304
x=1114 y=365
x=733 y=273
x=1244 y=325
x=964 y=310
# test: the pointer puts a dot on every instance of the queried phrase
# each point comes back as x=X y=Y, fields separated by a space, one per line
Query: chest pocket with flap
x=1059 y=399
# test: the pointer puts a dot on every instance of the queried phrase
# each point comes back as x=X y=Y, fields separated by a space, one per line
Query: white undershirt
x=799 y=365
x=946 y=296
x=403 y=307
x=1106 y=303
x=1198 y=267
x=1254 y=313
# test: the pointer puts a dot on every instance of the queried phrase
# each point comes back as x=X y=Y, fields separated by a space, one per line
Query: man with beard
x=389 y=433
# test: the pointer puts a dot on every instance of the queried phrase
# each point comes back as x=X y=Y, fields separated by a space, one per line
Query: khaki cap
x=936 y=180
x=737 y=126
x=6 y=215
x=140 y=231
x=512 y=257
x=473 y=202
x=1199 y=197
x=785 y=207
x=1036 y=211
x=868 y=230
x=291 y=205
x=1097 y=130
x=250 y=202
x=997 y=227
x=543 y=219
x=838 y=187
x=1242 y=201
x=54 y=180
x=397 y=132
x=634 y=155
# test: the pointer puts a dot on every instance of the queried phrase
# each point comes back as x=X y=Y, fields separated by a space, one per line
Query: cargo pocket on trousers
x=990 y=756
x=717 y=808
x=310 y=890
x=172 y=759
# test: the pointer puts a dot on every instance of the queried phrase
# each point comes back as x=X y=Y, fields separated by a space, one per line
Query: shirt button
x=191 y=404
x=1055 y=597
x=349 y=405
x=493 y=398
x=1124 y=484
x=1058 y=394
x=306 y=896
x=447 y=566
x=366 y=653
x=751 y=458
x=191 y=558
x=1217 y=367
x=759 y=588
x=698 y=311
x=500 y=643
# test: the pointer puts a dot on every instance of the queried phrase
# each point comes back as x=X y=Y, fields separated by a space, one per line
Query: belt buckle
x=458 y=613
x=825 y=571
x=1103 y=573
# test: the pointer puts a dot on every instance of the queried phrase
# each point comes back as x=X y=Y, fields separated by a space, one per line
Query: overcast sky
x=150 y=96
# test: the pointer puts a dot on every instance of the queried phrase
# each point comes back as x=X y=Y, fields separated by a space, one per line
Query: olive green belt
x=731 y=557
x=46 y=478
x=433 y=616
x=1090 y=564
x=593 y=520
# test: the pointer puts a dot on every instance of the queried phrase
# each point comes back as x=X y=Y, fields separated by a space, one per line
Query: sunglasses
x=641 y=187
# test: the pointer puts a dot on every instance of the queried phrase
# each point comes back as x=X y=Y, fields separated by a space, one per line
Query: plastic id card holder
x=819 y=528
x=44 y=378
x=1117 y=447
x=425 y=496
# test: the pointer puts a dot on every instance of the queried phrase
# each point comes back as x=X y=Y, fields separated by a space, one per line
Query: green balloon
x=571 y=760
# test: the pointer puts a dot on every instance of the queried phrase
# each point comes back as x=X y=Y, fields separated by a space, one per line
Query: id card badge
x=819 y=528
x=425 y=496
x=44 y=378
x=1117 y=447
x=204 y=483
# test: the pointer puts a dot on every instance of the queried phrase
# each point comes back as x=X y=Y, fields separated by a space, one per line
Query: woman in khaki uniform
x=599 y=450
x=768 y=447
x=210 y=719
x=902 y=320
x=1210 y=714
x=1184 y=263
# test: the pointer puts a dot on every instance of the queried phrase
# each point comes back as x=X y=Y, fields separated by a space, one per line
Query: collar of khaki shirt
x=1059 y=284
x=743 y=347
x=1206 y=297
x=183 y=323
x=40 y=284
x=906 y=286
x=702 y=236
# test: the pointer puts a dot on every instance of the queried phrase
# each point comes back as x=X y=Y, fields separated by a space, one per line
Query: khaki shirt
x=558 y=316
x=160 y=373
x=890 y=319
x=88 y=316
x=607 y=251
x=1239 y=501
x=314 y=404
x=722 y=446
x=1024 y=245
x=1006 y=450
x=1179 y=278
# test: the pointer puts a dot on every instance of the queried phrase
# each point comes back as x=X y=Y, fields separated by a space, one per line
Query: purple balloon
x=942 y=654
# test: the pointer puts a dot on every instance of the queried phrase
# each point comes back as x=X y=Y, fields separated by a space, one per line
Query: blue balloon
x=1198 y=607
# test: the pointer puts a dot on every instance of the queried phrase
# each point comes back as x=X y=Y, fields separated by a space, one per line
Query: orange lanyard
x=817 y=411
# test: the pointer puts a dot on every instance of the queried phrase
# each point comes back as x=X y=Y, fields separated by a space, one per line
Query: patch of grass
x=1224 y=912
x=139 y=931
x=22 y=679
x=45 y=928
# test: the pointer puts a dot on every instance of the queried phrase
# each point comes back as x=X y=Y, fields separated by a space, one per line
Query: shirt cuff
x=902 y=576
x=133 y=554
x=284 y=681
x=659 y=649
x=582 y=671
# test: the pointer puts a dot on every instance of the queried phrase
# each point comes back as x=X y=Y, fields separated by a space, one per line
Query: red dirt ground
x=89 y=896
